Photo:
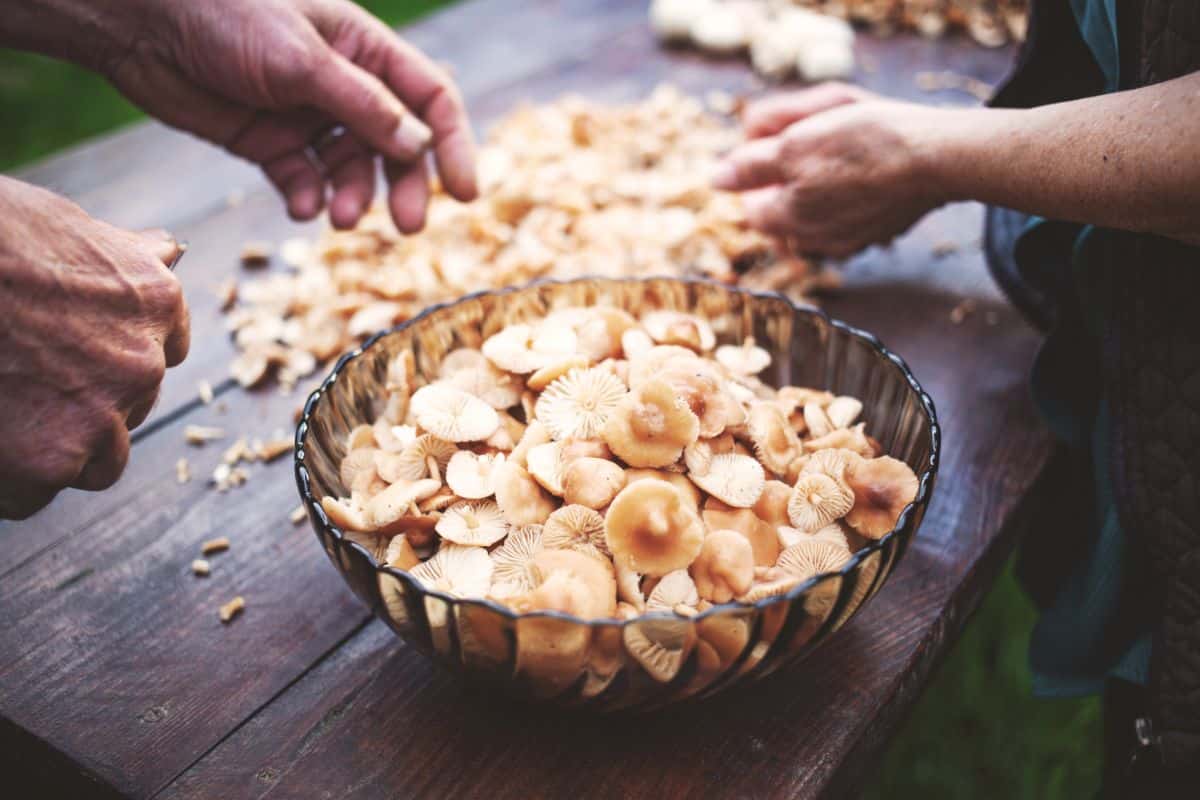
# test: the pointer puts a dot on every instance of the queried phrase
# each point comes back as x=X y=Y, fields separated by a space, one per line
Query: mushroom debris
x=567 y=189
x=648 y=469
x=814 y=38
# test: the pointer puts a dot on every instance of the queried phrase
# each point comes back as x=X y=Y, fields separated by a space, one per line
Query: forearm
x=1129 y=160
x=87 y=32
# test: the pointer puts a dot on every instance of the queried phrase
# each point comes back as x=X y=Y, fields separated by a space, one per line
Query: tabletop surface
x=116 y=679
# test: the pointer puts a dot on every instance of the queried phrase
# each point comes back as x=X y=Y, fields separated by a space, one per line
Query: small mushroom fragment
x=452 y=414
x=834 y=534
x=579 y=404
x=675 y=589
x=843 y=411
x=635 y=342
x=748 y=359
x=775 y=441
x=818 y=500
x=659 y=644
x=470 y=476
x=521 y=499
x=725 y=567
x=651 y=529
x=734 y=479
x=544 y=463
x=650 y=426
x=882 y=488
x=362 y=436
x=514 y=572
x=653 y=362
x=592 y=482
x=456 y=570
x=400 y=553
x=478 y=524
x=572 y=526
x=584 y=448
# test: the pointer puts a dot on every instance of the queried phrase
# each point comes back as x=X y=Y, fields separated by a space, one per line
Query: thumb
x=165 y=246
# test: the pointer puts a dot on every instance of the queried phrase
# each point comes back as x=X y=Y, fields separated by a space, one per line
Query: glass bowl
x=657 y=659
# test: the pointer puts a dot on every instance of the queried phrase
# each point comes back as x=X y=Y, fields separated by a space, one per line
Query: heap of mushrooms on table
x=605 y=466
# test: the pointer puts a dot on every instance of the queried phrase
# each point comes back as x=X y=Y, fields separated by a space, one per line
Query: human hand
x=90 y=318
x=270 y=79
x=833 y=169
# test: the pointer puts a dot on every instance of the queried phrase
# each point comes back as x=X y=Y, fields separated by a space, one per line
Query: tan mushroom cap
x=477 y=524
x=706 y=394
x=882 y=488
x=678 y=328
x=470 y=476
x=734 y=479
x=818 y=500
x=817 y=420
x=675 y=589
x=362 y=436
x=773 y=587
x=773 y=502
x=544 y=463
x=452 y=414
x=748 y=359
x=395 y=502
x=854 y=439
x=652 y=529
x=400 y=553
x=835 y=534
x=495 y=387
x=764 y=542
x=578 y=404
x=539 y=380
x=514 y=568
x=629 y=589
x=535 y=434
x=685 y=487
x=391 y=437
x=521 y=499
x=427 y=456
x=527 y=348
x=650 y=426
x=725 y=567
x=635 y=342
x=357 y=467
x=833 y=462
x=345 y=514
x=584 y=448
x=600 y=336
x=652 y=362
x=456 y=570
x=592 y=482
x=574 y=525
x=775 y=441
x=460 y=359
x=596 y=574
x=811 y=557
x=843 y=411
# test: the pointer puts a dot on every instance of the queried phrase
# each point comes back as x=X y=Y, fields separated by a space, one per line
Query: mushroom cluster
x=606 y=466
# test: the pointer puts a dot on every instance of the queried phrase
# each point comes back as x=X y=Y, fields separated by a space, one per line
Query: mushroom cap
x=357 y=465
x=521 y=499
x=526 y=348
x=535 y=434
x=470 y=476
x=747 y=359
x=514 y=559
x=362 y=436
x=579 y=404
x=882 y=487
x=854 y=439
x=659 y=644
x=773 y=587
x=595 y=573
x=652 y=529
x=773 y=502
x=592 y=482
x=477 y=524
x=706 y=393
x=686 y=488
x=573 y=525
x=456 y=570
x=675 y=589
x=817 y=420
x=810 y=557
x=652 y=362
x=539 y=380
x=833 y=533
x=400 y=553
x=725 y=567
x=635 y=342
x=459 y=359
x=650 y=426
x=818 y=500
x=345 y=514
x=843 y=411
x=412 y=463
x=833 y=462
x=393 y=503
x=629 y=587
x=496 y=388
x=734 y=479
x=544 y=463
x=393 y=438
x=764 y=541
x=775 y=441
x=453 y=414
x=678 y=328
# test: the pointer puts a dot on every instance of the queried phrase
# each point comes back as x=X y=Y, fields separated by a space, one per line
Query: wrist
x=92 y=33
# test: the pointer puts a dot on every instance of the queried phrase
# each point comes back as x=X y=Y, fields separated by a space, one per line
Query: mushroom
x=580 y=448
x=535 y=434
x=496 y=388
x=574 y=525
x=592 y=482
x=427 y=456
x=725 y=567
x=593 y=573
x=544 y=463
x=882 y=488
x=456 y=570
x=833 y=462
x=773 y=502
x=764 y=542
x=678 y=328
x=478 y=524
x=600 y=335
x=514 y=569
x=390 y=508
x=345 y=514
x=682 y=485
x=362 y=436
x=833 y=533
x=470 y=476
x=650 y=426
x=734 y=479
x=521 y=499
x=854 y=439
x=452 y=414
x=652 y=362
x=463 y=358
x=579 y=404
x=358 y=467
x=629 y=587
x=393 y=438
x=675 y=589
x=635 y=342
x=818 y=500
x=843 y=411
x=775 y=441
x=748 y=359
x=810 y=557
x=400 y=553
x=817 y=420
x=651 y=529
x=525 y=348
x=548 y=374
x=789 y=536
x=659 y=644
x=705 y=392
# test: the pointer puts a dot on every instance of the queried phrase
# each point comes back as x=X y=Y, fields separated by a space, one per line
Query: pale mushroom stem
x=657 y=524
x=432 y=464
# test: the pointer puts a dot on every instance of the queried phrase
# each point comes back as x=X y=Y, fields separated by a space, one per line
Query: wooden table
x=116 y=678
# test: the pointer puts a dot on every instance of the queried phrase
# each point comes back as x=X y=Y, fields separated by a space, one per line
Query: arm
x=275 y=82
x=836 y=168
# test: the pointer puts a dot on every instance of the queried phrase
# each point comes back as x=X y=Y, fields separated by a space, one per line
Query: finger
x=179 y=339
x=350 y=167
x=751 y=165
x=279 y=142
x=163 y=243
x=769 y=210
x=108 y=460
x=300 y=182
x=24 y=499
x=141 y=410
x=408 y=195
x=769 y=115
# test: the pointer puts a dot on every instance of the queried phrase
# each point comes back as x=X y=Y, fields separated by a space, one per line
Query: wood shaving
x=200 y=434
x=298 y=515
x=231 y=609
x=218 y=545
x=205 y=390
x=227 y=294
x=960 y=312
x=201 y=568
x=183 y=472
x=256 y=254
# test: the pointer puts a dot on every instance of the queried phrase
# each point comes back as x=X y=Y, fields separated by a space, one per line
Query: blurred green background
x=976 y=732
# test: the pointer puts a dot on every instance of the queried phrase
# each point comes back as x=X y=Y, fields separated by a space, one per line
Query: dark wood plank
x=377 y=720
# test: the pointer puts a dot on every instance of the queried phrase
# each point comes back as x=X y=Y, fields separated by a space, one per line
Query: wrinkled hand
x=832 y=169
x=271 y=79
x=90 y=318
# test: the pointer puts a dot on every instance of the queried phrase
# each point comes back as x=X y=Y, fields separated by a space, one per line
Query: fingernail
x=412 y=136
x=724 y=175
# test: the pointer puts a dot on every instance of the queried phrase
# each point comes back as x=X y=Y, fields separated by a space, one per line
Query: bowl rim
x=924 y=491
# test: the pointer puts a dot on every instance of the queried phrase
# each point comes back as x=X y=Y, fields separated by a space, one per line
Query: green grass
x=976 y=733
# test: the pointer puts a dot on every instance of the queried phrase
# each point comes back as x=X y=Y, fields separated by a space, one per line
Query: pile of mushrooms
x=605 y=466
